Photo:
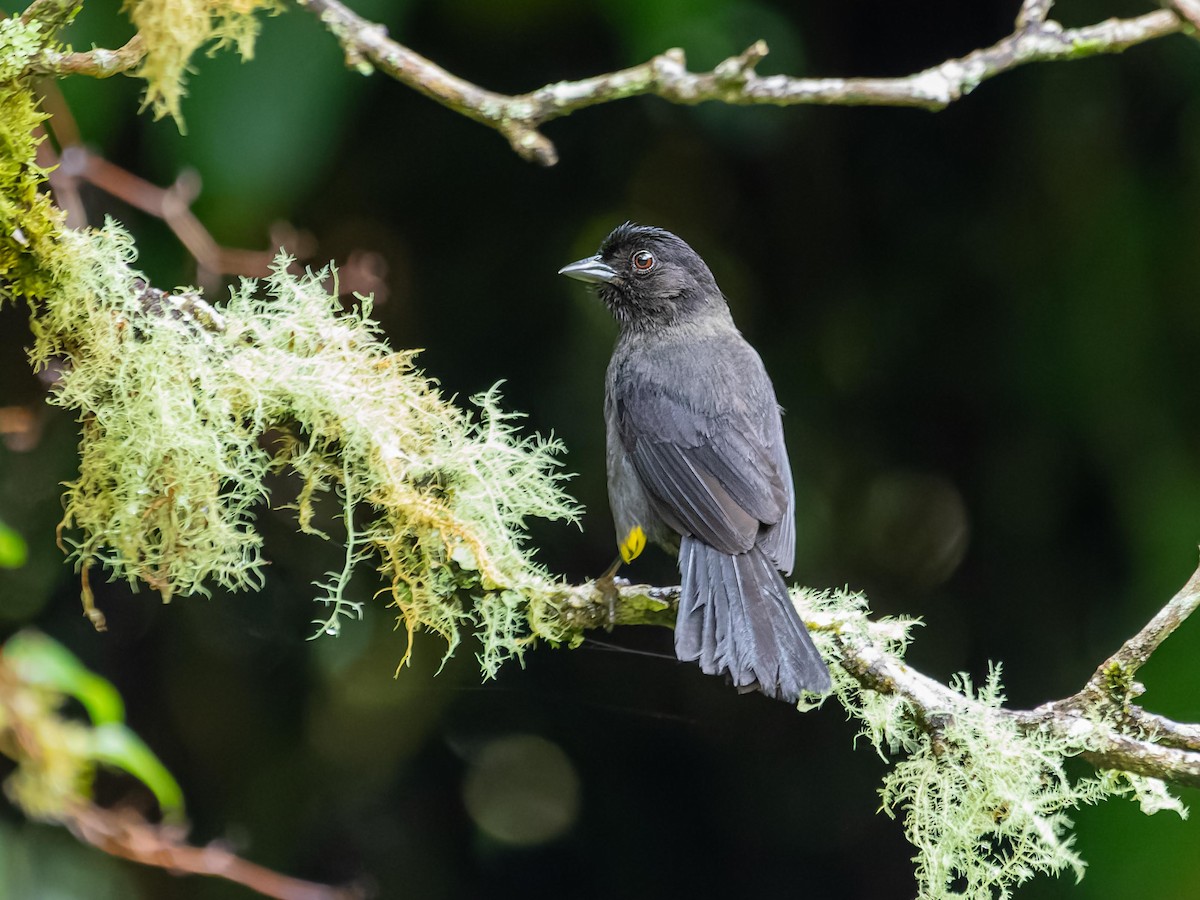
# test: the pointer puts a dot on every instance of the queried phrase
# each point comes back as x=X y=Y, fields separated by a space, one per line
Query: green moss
x=18 y=42
x=29 y=223
x=1118 y=682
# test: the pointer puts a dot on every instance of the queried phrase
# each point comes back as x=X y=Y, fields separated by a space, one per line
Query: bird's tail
x=736 y=618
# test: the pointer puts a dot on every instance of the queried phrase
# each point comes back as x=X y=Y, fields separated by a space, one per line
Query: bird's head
x=646 y=275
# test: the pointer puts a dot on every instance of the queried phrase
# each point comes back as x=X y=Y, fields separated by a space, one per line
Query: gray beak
x=593 y=270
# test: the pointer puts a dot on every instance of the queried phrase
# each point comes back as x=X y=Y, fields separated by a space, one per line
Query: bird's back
x=700 y=390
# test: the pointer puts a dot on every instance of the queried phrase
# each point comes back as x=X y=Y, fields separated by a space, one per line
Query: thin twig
x=173 y=205
x=1118 y=670
x=363 y=272
x=518 y=117
x=1033 y=13
x=125 y=834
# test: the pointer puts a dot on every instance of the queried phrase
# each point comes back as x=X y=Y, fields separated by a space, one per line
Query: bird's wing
x=778 y=541
x=717 y=477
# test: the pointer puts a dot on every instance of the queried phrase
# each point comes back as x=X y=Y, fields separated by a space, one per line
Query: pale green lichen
x=176 y=401
x=19 y=42
x=184 y=415
x=985 y=801
x=174 y=30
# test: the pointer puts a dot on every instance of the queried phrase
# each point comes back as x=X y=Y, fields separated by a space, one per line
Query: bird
x=696 y=462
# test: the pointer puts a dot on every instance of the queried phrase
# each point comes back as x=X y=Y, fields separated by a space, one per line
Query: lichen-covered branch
x=519 y=117
x=169 y=32
x=1166 y=732
x=983 y=790
x=51 y=13
x=1130 y=739
x=161 y=50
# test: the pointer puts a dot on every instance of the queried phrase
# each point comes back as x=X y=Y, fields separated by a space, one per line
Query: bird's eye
x=643 y=260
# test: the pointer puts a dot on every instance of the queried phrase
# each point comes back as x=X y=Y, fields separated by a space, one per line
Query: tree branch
x=1118 y=670
x=52 y=13
x=1036 y=38
x=1189 y=9
x=1033 y=13
x=97 y=63
x=125 y=834
x=362 y=272
x=1128 y=739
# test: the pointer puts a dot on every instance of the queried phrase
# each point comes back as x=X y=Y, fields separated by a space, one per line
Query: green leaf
x=114 y=744
x=13 y=551
x=43 y=662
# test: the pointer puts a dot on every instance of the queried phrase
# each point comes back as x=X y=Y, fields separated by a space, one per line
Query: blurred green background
x=983 y=326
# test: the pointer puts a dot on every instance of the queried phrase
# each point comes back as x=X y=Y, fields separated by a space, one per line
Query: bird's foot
x=607 y=586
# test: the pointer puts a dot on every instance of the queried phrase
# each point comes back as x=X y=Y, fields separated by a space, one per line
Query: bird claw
x=606 y=584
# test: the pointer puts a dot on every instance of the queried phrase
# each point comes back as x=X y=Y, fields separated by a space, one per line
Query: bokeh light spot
x=522 y=789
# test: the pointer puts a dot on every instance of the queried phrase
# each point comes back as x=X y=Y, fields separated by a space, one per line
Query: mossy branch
x=186 y=407
x=982 y=788
x=519 y=117
x=1119 y=734
x=170 y=32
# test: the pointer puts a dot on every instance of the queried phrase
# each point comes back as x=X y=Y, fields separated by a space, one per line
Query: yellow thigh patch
x=634 y=544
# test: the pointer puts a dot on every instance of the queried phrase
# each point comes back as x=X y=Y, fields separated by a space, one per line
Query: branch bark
x=1120 y=735
x=519 y=117
x=97 y=63
x=1118 y=670
x=125 y=834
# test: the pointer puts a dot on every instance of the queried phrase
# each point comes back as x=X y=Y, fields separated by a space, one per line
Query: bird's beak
x=593 y=270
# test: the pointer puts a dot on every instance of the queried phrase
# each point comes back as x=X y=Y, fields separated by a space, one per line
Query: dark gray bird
x=697 y=463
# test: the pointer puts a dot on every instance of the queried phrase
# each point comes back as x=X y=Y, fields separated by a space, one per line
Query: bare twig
x=1130 y=739
x=125 y=834
x=173 y=205
x=51 y=16
x=363 y=272
x=1189 y=9
x=518 y=117
x=1035 y=38
x=1033 y=13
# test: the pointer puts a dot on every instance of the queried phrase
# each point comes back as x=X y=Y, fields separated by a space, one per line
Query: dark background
x=982 y=323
